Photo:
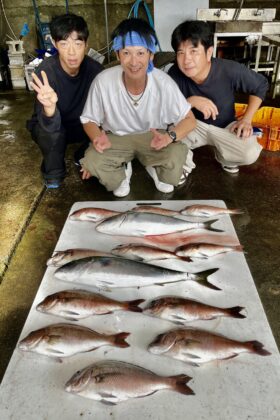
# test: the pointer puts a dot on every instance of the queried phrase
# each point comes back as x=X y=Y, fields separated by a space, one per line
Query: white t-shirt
x=108 y=104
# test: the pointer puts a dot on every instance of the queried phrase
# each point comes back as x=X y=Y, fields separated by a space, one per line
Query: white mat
x=241 y=388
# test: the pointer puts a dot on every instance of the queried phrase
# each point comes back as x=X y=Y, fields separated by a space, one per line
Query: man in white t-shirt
x=128 y=114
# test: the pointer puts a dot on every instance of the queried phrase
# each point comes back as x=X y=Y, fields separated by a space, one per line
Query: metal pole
x=107 y=30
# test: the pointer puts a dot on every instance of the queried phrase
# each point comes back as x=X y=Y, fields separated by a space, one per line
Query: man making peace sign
x=62 y=83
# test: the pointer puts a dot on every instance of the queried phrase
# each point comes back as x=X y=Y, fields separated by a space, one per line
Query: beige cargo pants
x=229 y=149
x=109 y=168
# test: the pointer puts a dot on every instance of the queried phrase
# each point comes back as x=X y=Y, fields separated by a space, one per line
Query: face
x=193 y=61
x=135 y=61
x=71 y=53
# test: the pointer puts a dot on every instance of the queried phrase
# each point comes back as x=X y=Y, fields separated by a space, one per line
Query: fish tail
x=236 y=211
x=235 y=312
x=209 y=223
x=133 y=305
x=202 y=277
x=257 y=347
x=119 y=339
x=238 y=248
x=179 y=384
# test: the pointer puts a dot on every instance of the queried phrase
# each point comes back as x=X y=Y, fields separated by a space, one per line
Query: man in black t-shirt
x=62 y=82
x=209 y=84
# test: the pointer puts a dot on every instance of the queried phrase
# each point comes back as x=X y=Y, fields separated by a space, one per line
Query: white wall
x=169 y=13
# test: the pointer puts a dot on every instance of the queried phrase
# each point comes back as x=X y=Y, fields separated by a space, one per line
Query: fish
x=65 y=340
x=181 y=310
x=80 y=304
x=196 y=347
x=112 y=272
x=60 y=258
x=205 y=250
x=112 y=382
x=145 y=253
x=92 y=214
x=202 y=210
x=174 y=240
x=142 y=224
x=155 y=210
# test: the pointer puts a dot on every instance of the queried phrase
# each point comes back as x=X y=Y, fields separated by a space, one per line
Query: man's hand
x=85 y=173
x=204 y=105
x=242 y=128
x=101 y=142
x=159 y=141
x=45 y=93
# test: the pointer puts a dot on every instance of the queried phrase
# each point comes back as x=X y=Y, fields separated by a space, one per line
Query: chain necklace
x=135 y=102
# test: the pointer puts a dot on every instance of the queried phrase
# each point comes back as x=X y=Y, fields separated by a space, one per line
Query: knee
x=251 y=153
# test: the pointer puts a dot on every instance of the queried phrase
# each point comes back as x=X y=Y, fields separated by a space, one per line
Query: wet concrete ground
x=32 y=217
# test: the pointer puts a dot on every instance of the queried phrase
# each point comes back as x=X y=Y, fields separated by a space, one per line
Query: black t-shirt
x=71 y=91
x=226 y=77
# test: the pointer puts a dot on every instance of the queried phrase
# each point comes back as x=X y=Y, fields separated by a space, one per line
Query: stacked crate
x=268 y=119
x=16 y=59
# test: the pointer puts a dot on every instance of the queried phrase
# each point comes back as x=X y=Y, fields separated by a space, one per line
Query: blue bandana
x=133 y=39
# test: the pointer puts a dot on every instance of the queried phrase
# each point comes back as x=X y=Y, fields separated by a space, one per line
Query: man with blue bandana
x=128 y=114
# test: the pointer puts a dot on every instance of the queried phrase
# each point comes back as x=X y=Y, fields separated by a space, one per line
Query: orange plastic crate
x=268 y=119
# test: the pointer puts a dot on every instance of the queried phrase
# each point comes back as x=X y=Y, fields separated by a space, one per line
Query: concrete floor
x=32 y=217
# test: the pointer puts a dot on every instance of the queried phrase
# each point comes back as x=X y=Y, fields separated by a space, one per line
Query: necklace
x=135 y=99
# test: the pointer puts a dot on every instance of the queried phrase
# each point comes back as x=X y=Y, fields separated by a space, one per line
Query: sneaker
x=124 y=188
x=160 y=186
x=52 y=183
x=232 y=169
x=183 y=178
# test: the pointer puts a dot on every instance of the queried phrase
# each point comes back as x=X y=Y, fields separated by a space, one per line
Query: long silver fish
x=181 y=310
x=145 y=253
x=205 y=250
x=202 y=210
x=111 y=272
x=197 y=346
x=92 y=214
x=64 y=340
x=60 y=258
x=142 y=224
x=111 y=382
x=79 y=304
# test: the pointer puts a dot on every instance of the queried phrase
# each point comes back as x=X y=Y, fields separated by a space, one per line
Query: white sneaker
x=124 y=187
x=232 y=169
x=161 y=186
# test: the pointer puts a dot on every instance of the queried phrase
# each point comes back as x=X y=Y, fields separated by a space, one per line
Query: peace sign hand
x=45 y=93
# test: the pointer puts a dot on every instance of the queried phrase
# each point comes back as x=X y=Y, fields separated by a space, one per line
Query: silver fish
x=202 y=210
x=60 y=258
x=111 y=272
x=205 y=250
x=79 y=304
x=64 y=340
x=144 y=253
x=92 y=214
x=142 y=224
x=197 y=346
x=181 y=310
x=111 y=382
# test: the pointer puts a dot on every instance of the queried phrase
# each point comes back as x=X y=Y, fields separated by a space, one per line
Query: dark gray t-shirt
x=226 y=77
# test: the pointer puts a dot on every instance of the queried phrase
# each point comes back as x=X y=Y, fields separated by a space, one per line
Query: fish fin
x=209 y=223
x=120 y=339
x=169 y=282
x=186 y=259
x=106 y=402
x=179 y=384
x=55 y=352
x=133 y=305
x=257 y=347
x=235 y=312
x=202 y=278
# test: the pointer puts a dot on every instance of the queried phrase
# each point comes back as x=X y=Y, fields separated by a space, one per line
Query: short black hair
x=195 y=31
x=62 y=26
x=135 y=25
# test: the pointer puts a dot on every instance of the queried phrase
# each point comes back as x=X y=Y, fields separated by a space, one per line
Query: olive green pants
x=109 y=167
